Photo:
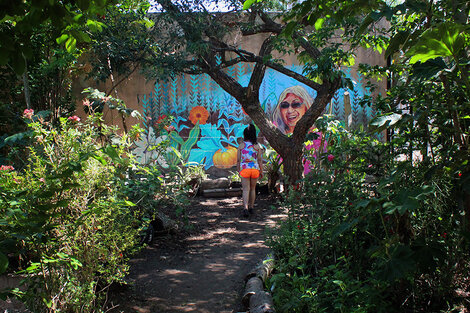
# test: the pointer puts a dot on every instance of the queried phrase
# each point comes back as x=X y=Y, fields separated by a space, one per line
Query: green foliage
x=65 y=221
x=20 y=20
x=370 y=232
x=125 y=42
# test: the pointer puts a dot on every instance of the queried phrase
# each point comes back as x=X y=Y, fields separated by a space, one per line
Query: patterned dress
x=249 y=157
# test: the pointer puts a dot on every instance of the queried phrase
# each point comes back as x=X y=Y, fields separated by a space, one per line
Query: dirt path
x=203 y=270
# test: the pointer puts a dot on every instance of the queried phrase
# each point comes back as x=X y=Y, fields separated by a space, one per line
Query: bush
x=64 y=219
x=372 y=233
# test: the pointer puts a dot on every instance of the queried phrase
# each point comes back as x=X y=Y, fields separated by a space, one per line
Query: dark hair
x=249 y=134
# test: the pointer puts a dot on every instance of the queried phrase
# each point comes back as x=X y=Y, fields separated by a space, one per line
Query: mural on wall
x=207 y=121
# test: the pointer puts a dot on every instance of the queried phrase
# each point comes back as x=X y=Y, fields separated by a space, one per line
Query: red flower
x=331 y=157
x=160 y=119
x=444 y=235
x=460 y=174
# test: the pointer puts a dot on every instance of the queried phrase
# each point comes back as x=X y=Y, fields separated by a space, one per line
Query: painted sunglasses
x=294 y=105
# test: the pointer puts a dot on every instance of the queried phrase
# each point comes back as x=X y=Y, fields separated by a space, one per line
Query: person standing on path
x=250 y=167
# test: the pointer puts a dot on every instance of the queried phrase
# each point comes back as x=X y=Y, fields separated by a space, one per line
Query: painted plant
x=206 y=121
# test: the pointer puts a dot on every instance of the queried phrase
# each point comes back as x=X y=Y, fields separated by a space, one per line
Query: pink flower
x=74 y=119
x=369 y=166
x=331 y=157
x=86 y=102
x=307 y=167
x=7 y=168
x=42 y=180
x=28 y=113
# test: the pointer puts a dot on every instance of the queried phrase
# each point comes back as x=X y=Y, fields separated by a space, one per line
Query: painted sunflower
x=198 y=114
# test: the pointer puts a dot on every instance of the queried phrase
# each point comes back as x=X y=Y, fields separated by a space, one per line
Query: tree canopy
x=200 y=41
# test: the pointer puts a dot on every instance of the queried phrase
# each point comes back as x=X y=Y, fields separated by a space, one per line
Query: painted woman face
x=292 y=108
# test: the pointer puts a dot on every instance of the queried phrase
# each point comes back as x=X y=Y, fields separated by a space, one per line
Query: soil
x=201 y=269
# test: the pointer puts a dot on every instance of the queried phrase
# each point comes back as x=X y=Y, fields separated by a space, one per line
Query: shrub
x=64 y=218
x=371 y=232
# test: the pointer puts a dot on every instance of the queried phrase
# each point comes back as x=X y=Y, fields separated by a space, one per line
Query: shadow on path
x=203 y=271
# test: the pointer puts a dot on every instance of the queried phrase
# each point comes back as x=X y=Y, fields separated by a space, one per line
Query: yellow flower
x=198 y=114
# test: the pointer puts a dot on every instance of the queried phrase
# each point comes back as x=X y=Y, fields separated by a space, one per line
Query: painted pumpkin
x=225 y=159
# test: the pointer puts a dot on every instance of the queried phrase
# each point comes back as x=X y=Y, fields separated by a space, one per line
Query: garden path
x=201 y=270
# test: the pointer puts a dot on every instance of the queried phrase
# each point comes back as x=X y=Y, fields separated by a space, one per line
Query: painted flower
x=198 y=114
x=160 y=119
x=7 y=168
x=74 y=119
x=28 y=113
x=170 y=128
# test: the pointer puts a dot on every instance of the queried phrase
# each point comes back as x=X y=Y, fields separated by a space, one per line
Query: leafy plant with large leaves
x=397 y=241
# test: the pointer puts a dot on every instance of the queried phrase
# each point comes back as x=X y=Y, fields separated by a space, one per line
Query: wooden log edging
x=255 y=298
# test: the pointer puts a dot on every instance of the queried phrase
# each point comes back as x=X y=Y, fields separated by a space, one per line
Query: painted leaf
x=176 y=137
x=190 y=142
x=198 y=156
x=382 y=122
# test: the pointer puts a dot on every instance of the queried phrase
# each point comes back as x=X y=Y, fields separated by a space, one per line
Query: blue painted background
x=225 y=123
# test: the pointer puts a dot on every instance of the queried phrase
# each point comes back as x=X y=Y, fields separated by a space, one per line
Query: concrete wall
x=207 y=120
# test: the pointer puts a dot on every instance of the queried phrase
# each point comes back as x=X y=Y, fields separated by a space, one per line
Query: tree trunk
x=292 y=161
x=27 y=92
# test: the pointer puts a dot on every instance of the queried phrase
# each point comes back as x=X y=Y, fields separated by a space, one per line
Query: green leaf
x=248 y=3
x=148 y=23
x=62 y=39
x=444 y=41
x=365 y=24
x=18 y=63
x=289 y=29
x=83 y=4
x=100 y=159
x=3 y=263
x=70 y=44
x=396 y=42
x=343 y=227
x=94 y=26
x=319 y=23
x=428 y=69
x=398 y=265
x=17 y=138
x=112 y=153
